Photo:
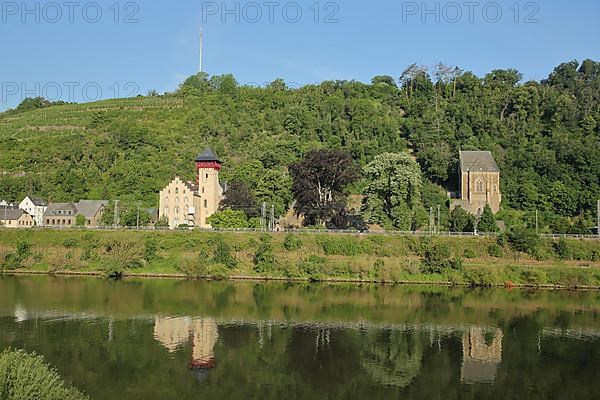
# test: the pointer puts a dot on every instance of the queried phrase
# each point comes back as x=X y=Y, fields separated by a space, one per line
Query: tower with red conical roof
x=208 y=166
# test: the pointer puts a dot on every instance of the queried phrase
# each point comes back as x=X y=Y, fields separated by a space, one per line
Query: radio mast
x=201 y=47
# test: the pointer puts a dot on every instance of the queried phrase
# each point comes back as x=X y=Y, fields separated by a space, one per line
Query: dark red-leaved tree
x=318 y=185
x=239 y=197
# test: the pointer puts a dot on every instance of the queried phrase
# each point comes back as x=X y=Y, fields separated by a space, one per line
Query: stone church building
x=479 y=183
x=192 y=203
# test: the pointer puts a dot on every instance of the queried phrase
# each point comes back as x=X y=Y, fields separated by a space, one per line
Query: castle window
x=479 y=186
x=205 y=203
x=186 y=201
x=166 y=199
x=176 y=210
x=166 y=210
x=177 y=200
x=176 y=190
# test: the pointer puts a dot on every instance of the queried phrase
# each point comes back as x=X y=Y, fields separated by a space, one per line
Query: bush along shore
x=519 y=258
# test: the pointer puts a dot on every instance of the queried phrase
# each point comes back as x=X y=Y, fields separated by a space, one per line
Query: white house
x=35 y=207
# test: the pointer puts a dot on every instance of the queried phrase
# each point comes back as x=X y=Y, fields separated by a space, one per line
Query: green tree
x=80 y=220
x=523 y=239
x=487 y=221
x=229 y=219
x=461 y=221
x=393 y=192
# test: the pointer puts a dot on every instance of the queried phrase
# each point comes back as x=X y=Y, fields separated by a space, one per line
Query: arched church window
x=479 y=186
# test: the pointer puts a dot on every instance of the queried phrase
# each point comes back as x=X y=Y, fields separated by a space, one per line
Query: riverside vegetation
x=26 y=376
x=516 y=258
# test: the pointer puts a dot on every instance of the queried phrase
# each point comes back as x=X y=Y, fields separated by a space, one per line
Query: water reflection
x=482 y=353
x=174 y=333
x=162 y=340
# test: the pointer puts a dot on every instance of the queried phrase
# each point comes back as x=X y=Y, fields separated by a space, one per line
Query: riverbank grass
x=476 y=261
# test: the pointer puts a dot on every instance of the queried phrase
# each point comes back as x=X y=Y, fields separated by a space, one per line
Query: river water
x=167 y=339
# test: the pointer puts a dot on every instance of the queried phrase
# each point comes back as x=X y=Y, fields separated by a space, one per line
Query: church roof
x=478 y=161
x=208 y=155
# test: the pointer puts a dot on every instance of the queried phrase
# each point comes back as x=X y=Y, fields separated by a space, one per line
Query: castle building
x=192 y=203
x=479 y=183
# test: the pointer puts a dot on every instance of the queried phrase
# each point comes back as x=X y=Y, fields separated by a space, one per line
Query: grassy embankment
x=477 y=261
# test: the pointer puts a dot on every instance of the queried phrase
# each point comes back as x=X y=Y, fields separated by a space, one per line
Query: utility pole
x=430 y=219
x=272 y=218
x=116 y=214
x=439 y=219
x=138 y=216
x=598 y=222
x=263 y=217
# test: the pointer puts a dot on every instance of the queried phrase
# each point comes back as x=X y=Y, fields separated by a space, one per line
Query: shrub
x=25 y=376
x=264 y=259
x=163 y=222
x=150 y=249
x=123 y=255
x=481 y=278
x=222 y=253
x=470 y=253
x=562 y=249
x=23 y=250
x=312 y=266
x=495 y=251
x=229 y=219
x=292 y=242
x=533 y=276
x=342 y=245
x=437 y=259
x=70 y=243
x=524 y=240
x=13 y=261
x=378 y=266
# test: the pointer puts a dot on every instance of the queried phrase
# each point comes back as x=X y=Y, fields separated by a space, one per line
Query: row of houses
x=33 y=211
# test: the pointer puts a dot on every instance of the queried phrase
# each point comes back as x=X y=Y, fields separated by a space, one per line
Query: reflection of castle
x=174 y=333
x=206 y=334
x=482 y=353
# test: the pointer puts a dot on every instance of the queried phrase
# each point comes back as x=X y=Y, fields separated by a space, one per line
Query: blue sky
x=47 y=48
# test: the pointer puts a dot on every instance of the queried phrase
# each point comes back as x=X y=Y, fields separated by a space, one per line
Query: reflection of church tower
x=172 y=333
x=482 y=353
x=206 y=334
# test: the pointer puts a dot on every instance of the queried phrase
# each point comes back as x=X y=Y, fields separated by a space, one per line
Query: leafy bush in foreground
x=25 y=376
